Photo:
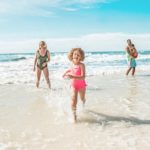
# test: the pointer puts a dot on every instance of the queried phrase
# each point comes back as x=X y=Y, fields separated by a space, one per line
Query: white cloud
x=80 y=2
x=96 y=42
x=70 y=9
x=24 y=7
x=33 y=6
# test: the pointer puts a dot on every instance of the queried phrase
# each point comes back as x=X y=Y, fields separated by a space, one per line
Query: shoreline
x=116 y=115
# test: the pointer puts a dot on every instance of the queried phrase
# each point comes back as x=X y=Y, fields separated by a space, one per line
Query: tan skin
x=42 y=52
x=74 y=93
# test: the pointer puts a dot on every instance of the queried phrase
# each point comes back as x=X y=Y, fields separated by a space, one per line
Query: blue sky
x=66 y=23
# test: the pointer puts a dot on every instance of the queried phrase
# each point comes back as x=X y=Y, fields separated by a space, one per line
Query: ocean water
x=115 y=116
x=16 y=68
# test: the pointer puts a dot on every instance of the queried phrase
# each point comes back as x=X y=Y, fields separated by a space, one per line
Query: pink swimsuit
x=77 y=84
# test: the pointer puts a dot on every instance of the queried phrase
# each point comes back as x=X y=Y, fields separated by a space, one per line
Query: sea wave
x=12 y=58
x=17 y=59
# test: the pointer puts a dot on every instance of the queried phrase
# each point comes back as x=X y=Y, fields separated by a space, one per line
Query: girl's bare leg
x=46 y=74
x=82 y=95
x=74 y=103
x=38 y=73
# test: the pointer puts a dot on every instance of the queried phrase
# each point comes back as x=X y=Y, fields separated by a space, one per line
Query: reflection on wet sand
x=132 y=88
x=132 y=91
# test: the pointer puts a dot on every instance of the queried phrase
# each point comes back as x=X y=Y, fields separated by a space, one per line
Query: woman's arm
x=128 y=50
x=49 y=57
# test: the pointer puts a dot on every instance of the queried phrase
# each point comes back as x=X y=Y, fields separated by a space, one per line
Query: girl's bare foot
x=84 y=100
x=37 y=84
x=74 y=115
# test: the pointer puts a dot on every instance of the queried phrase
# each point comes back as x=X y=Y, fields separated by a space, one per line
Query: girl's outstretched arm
x=66 y=72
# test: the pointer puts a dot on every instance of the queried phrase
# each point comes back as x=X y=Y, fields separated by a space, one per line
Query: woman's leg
x=74 y=96
x=46 y=74
x=38 y=74
x=128 y=70
x=133 y=71
x=82 y=95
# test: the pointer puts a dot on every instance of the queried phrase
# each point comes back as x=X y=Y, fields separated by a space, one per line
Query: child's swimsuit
x=41 y=60
x=135 y=54
x=77 y=84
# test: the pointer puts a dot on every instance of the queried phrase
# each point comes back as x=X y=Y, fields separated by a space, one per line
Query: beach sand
x=115 y=117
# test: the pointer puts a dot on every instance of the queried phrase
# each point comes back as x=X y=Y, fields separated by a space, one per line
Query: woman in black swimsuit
x=42 y=57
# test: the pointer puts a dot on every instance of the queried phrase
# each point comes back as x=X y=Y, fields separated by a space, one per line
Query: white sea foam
x=98 y=63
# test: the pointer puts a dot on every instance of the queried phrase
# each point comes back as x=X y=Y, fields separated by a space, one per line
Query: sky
x=94 y=25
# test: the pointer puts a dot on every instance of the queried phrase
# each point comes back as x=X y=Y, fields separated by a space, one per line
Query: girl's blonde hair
x=70 y=55
x=42 y=44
